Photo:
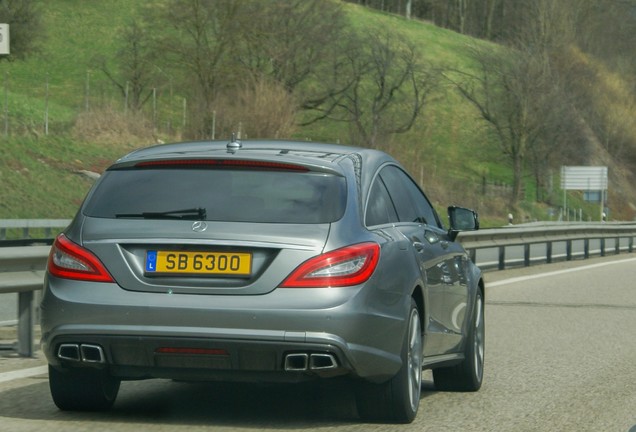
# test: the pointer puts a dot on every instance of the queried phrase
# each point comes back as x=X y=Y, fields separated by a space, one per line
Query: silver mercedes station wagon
x=262 y=261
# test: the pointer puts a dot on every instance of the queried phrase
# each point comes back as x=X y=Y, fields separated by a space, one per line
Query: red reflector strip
x=192 y=351
x=221 y=163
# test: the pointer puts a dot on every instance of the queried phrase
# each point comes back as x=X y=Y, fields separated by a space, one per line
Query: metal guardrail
x=22 y=268
x=24 y=228
x=22 y=272
x=24 y=248
x=501 y=239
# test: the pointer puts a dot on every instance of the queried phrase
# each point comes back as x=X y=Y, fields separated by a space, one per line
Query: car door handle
x=444 y=244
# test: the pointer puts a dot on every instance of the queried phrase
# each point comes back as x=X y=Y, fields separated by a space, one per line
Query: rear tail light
x=351 y=265
x=69 y=260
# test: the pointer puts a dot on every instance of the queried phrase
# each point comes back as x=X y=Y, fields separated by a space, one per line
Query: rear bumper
x=142 y=357
x=286 y=335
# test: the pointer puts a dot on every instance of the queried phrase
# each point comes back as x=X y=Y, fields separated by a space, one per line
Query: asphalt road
x=560 y=356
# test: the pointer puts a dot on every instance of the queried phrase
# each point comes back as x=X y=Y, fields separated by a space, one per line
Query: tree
x=26 y=28
x=217 y=44
x=290 y=39
x=386 y=91
x=196 y=38
x=135 y=64
x=300 y=44
x=513 y=94
x=519 y=89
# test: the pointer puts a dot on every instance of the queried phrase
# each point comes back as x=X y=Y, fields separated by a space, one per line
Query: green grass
x=77 y=32
x=448 y=151
x=41 y=178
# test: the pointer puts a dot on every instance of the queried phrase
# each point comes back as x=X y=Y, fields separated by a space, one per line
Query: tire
x=82 y=389
x=397 y=400
x=467 y=375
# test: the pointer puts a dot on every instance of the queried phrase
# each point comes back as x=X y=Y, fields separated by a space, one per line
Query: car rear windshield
x=239 y=195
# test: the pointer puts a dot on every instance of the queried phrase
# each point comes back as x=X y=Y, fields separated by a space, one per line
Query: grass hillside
x=448 y=152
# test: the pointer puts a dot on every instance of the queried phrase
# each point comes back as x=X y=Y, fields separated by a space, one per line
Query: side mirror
x=461 y=219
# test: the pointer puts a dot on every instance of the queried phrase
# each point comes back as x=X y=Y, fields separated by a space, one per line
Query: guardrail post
x=568 y=250
x=526 y=255
x=25 y=324
x=502 y=257
x=617 y=245
x=586 y=248
x=548 y=252
x=630 y=246
x=602 y=247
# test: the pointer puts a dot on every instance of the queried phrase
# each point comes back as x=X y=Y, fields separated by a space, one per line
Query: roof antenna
x=235 y=143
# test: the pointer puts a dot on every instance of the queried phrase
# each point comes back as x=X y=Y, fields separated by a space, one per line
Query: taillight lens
x=351 y=265
x=69 y=260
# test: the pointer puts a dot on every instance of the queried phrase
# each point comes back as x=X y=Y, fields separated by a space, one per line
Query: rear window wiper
x=192 y=214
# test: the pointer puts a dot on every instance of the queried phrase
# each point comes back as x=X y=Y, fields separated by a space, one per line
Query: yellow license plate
x=199 y=263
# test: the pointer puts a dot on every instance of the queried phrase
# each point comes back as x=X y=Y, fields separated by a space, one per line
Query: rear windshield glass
x=226 y=195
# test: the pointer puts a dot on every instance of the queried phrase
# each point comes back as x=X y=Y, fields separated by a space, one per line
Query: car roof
x=318 y=154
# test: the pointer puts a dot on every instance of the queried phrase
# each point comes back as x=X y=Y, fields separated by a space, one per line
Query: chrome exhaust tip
x=322 y=361
x=69 y=352
x=92 y=353
x=296 y=362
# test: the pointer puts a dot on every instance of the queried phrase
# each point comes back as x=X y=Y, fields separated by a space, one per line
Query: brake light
x=351 y=265
x=221 y=163
x=69 y=260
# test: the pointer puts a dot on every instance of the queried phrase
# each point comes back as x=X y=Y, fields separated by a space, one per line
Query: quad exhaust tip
x=86 y=353
x=322 y=361
x=308 y=362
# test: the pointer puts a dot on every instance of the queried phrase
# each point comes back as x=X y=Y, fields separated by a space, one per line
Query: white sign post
x=584 y=178
x=4 y=39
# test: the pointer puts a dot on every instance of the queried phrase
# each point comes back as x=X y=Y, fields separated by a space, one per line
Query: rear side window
x=411 y=204
x=380 y=208
x=239 y=195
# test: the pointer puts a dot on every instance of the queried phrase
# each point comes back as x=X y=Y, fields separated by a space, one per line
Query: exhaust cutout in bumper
x=85 y=353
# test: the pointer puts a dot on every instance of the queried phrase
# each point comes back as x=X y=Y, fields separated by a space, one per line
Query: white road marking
x=23 y=373
x=553 y=273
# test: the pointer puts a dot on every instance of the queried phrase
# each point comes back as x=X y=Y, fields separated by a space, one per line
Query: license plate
x=199 y=263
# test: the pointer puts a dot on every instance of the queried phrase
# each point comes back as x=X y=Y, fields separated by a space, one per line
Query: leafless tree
x=300 y=44
x=514 y=95
x=290 y=40
x=226 y=45
x=387 y=90
x=520 y=90
x=195 y=39
x=135 y=70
